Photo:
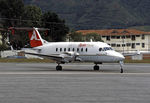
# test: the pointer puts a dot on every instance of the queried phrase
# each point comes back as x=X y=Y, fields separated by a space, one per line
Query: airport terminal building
x=124 y=39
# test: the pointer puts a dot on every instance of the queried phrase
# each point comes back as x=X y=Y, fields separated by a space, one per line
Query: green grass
x=137 y=61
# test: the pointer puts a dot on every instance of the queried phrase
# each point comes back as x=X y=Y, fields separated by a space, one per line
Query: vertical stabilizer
x=35 y=38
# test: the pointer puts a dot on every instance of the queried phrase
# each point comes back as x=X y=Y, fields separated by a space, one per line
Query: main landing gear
x=96 y=67
x=121 y=66
x=59 y=67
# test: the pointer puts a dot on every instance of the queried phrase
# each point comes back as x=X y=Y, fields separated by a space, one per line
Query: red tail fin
x=35 y=38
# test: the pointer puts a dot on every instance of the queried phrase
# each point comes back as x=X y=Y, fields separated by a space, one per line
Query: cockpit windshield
x=105 y=49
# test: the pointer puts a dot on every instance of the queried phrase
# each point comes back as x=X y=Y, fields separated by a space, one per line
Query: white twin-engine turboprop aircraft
x=65 y=52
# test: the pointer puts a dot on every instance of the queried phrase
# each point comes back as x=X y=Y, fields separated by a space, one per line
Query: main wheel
x=58 y=68
x=96 y=67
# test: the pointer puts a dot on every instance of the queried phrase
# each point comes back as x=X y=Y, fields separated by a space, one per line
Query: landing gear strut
x=121 y=66
x=96 y=67
x=59 y=67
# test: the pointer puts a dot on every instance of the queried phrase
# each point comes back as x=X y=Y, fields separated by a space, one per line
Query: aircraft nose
x=121 y=57
x=118 y=56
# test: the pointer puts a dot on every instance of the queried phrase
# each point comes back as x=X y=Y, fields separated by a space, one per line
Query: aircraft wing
x=64 y=57
x=56 y=58
x=133 y=53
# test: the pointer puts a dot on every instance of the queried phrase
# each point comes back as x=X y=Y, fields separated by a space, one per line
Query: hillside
x=99 y=14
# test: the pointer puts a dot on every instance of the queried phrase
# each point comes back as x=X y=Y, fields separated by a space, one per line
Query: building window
x=123 y=37
x=118 y=45
x=128 y=36
x=113 y=37
x=143 y=45
x=143 y=36
x=108 y=38
x=133 y=45
x=137 y=35
x=133 y=37
x=113 y=45
x=73 y=49
x=128 y=44
x=123 y=45
x=56 y=49
x=118 y=37
x=137 y=43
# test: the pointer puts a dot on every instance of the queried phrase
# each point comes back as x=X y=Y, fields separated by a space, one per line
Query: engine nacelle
x=69 y=56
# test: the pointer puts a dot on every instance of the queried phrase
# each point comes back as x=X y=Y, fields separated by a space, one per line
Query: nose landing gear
x=121 y=66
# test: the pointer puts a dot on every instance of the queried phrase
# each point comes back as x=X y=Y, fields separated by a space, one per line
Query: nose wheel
x=59 y=67
x=121 y=71
x=121 y=66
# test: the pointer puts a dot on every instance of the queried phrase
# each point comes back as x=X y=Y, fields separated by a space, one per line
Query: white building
x=124 y=39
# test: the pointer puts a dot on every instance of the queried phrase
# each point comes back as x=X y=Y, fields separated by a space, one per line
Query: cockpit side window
x=100 y=49
x=107 y=48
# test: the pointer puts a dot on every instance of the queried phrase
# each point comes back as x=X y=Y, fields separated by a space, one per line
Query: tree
x=32 y=16
x=12 y=10
x=93 y=36
x=58 y=29
x=76 y=36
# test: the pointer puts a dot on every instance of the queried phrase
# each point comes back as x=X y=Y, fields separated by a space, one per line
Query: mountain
x=98 y=14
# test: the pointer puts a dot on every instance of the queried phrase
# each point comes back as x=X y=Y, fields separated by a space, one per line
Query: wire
x=28 y=20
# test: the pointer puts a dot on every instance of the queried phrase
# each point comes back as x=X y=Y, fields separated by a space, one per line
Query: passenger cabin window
x=68 y=49
x=77 y=49
x=60 y=49
x=81 y=49
x=86 y=49
x=64 y=49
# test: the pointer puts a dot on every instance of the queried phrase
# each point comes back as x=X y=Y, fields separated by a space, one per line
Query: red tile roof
x=115 y=32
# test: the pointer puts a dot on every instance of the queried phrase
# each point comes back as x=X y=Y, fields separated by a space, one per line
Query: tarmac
x=77 y=83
